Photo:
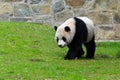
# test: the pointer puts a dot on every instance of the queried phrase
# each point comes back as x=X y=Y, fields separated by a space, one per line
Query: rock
x=57 y=6
x=104 y=33
x=64 y=15
x=100 y=18
x=89 y=4
x=4 y=17
x=47 y=1
x=45 y=19
x=75 y=3
x=20 y=19
x=43 y=9
x=80 y=12
x=12 y=0
x=35 y=9
x=117 y=31
x=22 y=10
x=106 y=4
x=34 y=1
x=116 y=17
x=6 y=8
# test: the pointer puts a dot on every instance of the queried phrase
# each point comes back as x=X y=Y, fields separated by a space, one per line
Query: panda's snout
x=61 y=43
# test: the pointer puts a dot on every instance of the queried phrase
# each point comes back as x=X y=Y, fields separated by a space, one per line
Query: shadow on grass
x=106 y=56
x=118 y=54
x=103 y=55
x=97 y=56
x=36 y=60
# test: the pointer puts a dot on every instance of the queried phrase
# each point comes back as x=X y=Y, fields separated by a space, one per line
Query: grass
x=29 y=52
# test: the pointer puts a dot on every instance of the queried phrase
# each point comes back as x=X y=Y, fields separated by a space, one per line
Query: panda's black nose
x=60 y=45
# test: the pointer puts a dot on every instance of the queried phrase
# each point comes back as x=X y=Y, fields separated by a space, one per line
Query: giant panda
x=73 y=33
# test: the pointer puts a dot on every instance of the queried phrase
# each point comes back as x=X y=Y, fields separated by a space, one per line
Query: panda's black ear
x=67 y=28
x=55 y=28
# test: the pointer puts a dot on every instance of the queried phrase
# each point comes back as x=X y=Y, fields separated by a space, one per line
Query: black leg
x=90 y=46
x=71 y=55
x=80 y=53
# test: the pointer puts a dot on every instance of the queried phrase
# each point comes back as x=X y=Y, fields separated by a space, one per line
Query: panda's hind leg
x=90 y=47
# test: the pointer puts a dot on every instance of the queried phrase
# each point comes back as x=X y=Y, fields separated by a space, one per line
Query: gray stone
x=35 y=9
x=106 y=4
x=34 y=1
x=11 y=0
x=75 y=3
x=117 y=18
x=57 y=6
x=44 y=19
x=6 y=8
x=100 y=18
x=22 y=10
x=106 y=27
x=80 y=12
x=103 y=34
x=43 y=9
x=62 y=16
x=47 y=1
x=89 y=4
x=117 y=31
x=4 y=17
x=20 y=19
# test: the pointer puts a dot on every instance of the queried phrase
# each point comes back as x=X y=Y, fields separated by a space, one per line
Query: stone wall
x=104 y=13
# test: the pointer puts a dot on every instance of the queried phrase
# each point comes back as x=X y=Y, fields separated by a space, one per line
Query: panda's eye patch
x=63 y=38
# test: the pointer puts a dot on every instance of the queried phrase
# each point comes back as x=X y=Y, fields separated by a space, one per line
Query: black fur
x=90 y=47
x=75 y=47
x=55 y=28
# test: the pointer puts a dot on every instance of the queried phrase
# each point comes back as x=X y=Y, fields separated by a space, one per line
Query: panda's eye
x=63 y=38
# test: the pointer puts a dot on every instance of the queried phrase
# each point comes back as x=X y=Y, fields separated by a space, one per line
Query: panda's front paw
x=69 y=58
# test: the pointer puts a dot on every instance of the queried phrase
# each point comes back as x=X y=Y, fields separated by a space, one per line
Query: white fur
x=90 y=27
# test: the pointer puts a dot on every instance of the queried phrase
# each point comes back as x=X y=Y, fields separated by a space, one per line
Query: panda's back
x=89 y=26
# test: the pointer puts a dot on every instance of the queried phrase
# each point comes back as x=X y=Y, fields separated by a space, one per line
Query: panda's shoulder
x=86 y=20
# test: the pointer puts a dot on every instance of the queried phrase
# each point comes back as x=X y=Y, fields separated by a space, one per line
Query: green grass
x=29 y=52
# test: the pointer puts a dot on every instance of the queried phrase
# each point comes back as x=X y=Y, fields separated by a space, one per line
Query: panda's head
x=65 y=32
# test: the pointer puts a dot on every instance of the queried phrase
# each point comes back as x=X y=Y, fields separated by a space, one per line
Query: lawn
x=29 y=52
